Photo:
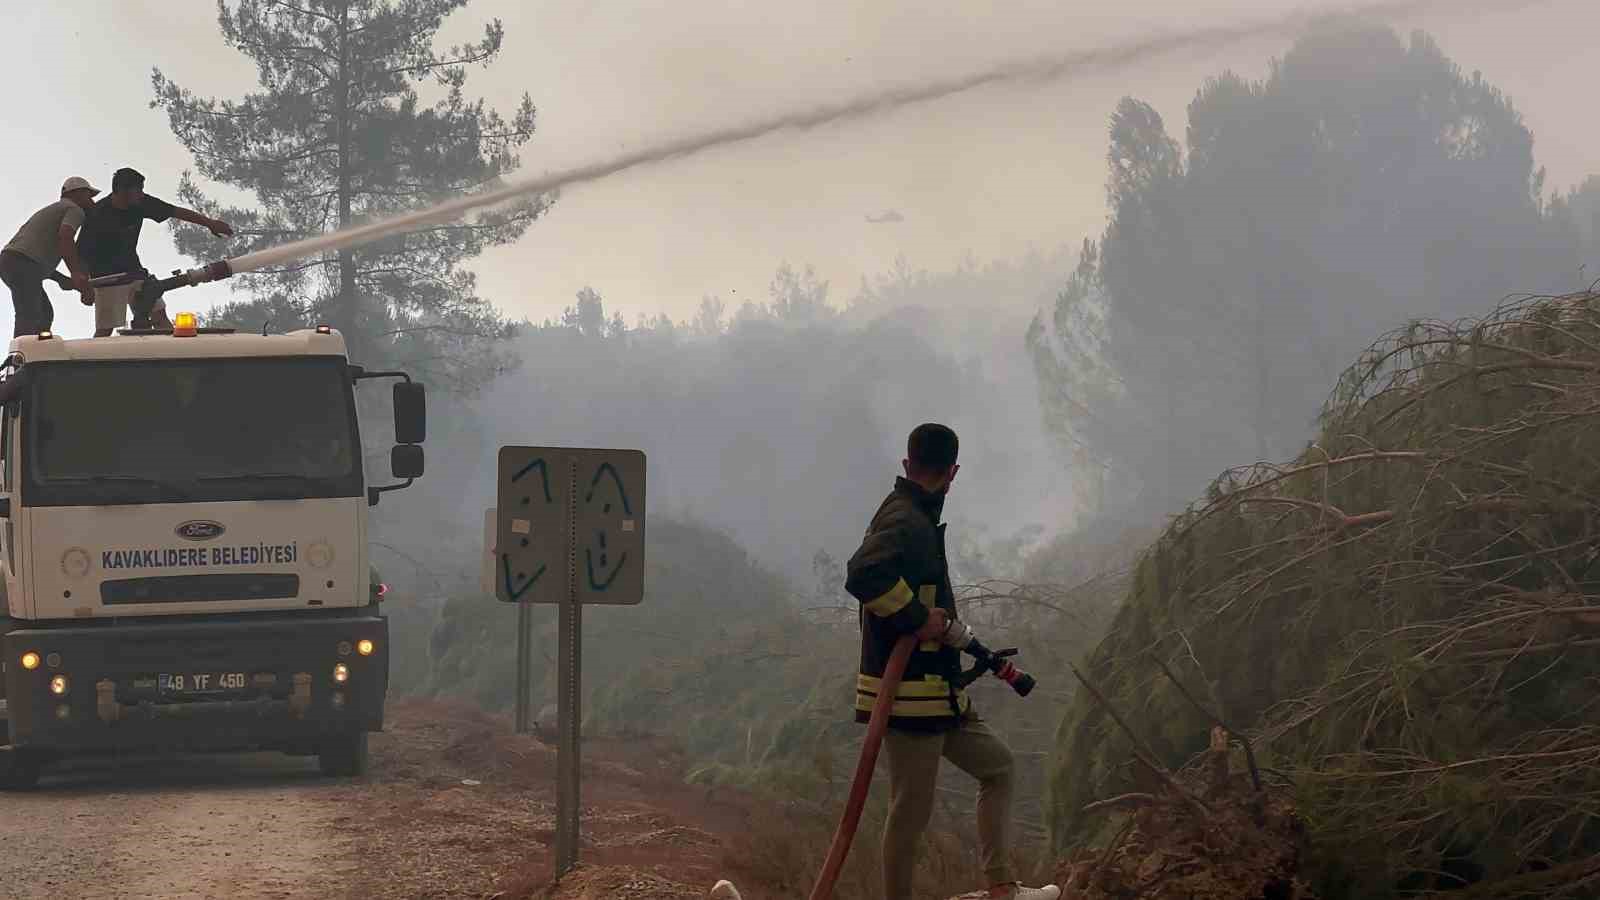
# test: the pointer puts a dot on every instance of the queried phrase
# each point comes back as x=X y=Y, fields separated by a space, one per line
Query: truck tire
x=19 y=771
x=345 y=755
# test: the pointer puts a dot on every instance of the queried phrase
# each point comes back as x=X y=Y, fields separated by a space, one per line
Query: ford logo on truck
x=200 y=530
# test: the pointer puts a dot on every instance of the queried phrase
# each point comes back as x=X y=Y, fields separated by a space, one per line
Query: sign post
x=486 y=579
x=568 y=529
x=524 y=667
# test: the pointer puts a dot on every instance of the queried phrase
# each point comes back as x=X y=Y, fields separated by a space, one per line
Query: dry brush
x=1406 y=619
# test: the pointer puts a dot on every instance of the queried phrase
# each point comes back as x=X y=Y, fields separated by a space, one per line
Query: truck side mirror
x=410 y=428
x=405 y=461
x=410 y=416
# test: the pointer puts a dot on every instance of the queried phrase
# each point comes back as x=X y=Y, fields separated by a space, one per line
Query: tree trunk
x=1258 y=352
x=345 y=316
x=1169 y=478
x=1263 y=370
x=346 y=312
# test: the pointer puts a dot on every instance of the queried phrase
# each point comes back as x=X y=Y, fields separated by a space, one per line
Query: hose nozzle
x=145 y=304
x=209 y=272
x=960 y=635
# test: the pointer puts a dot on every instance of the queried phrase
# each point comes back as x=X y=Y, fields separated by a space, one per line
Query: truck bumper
x=233 y=685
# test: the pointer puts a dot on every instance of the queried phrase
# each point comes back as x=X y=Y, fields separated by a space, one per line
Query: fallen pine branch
x=1121 y=801
x=1142 y=751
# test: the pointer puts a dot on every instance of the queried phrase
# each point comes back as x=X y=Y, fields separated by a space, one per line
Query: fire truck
x=183 y=545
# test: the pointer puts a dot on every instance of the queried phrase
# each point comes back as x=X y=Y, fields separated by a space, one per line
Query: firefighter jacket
x=899 y=574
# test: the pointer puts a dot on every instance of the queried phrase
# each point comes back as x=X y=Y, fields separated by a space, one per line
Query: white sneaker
x=1048 y=892
x=1018 y=892
x=723 y=890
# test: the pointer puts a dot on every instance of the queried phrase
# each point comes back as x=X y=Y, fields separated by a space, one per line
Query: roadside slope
x=457 y=806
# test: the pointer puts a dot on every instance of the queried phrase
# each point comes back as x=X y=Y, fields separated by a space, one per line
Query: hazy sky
x=992 y=173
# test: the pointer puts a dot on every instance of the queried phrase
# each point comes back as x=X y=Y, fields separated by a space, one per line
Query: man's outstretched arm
x=216 y=226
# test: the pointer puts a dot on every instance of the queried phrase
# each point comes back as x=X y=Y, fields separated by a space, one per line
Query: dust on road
x=455 y=807
x=179 y=828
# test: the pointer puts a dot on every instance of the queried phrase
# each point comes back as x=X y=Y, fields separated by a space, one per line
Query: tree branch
x=1141 y=750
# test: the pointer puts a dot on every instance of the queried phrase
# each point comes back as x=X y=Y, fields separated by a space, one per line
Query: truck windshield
x=175 y=431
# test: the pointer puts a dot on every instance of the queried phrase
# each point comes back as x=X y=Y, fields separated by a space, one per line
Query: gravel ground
x=454 y=808
x=183 y=828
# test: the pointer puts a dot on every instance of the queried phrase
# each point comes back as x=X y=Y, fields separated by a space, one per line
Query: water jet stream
x=1036 y=70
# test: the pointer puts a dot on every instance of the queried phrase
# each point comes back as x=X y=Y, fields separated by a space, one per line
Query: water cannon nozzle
x=210 y=272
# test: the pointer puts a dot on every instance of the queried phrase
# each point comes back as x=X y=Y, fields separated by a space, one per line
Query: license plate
x=201 y=682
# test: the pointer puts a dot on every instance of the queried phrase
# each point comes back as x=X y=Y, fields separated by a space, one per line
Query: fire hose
x=152 y=288
x=958 y=635
x=876 y=726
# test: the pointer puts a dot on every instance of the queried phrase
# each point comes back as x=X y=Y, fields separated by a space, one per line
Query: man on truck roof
x=31 y=257
x=109 y=242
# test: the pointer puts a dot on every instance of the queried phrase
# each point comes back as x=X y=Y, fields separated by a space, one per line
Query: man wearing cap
x=32 y=254
x=902 y=580
x=109 y=243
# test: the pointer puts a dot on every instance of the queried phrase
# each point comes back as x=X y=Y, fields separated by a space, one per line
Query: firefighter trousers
x=914 y=759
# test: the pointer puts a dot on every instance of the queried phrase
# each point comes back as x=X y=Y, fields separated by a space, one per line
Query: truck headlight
x=341 y=673
x=30 y=660
x=59 y=685
x=365 y=647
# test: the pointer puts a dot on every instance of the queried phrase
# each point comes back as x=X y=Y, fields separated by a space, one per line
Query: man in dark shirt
x=109 y=242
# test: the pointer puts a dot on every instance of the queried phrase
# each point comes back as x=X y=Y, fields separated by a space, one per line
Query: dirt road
x=189 y=828
x=454 y=807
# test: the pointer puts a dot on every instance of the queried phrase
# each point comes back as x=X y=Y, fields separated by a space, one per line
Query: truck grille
x=199 y=588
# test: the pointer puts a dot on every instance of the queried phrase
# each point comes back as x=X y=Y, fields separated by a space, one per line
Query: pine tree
x=1366 y=180
x=339 y=134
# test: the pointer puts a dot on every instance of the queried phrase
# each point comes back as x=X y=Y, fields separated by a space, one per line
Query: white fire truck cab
x=183 y=546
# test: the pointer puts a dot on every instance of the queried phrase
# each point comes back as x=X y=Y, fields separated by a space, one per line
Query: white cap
x=77 y=184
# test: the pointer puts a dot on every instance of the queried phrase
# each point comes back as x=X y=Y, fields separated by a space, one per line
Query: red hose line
x=876 y=726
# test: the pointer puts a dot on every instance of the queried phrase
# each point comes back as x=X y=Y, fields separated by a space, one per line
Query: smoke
x=786 y=434
x=1047 y=68
x=783 y=431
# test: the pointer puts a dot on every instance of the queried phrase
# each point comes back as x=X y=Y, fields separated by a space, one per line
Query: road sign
x=610 y=526
x=534 y=525
x=568 y=528
x=561 y=506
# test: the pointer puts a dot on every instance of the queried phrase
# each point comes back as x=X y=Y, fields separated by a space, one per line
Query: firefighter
x=901 y=577
x=109 y=243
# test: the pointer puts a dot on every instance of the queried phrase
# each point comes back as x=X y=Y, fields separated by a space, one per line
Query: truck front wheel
x=19 y=771
x=344 y=755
